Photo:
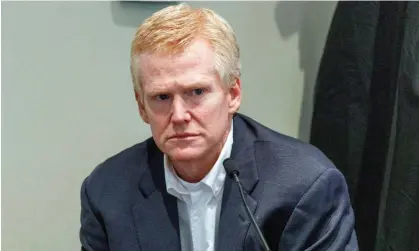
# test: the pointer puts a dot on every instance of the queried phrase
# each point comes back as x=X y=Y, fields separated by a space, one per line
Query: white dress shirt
x=199 y=204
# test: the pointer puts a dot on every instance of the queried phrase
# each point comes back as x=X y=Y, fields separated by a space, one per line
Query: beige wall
x=67 y=101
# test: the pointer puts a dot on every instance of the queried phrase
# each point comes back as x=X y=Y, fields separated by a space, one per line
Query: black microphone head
x=230 y=167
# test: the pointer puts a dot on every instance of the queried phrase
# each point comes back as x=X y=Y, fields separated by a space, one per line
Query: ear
x=235 y=93
x=141 y=108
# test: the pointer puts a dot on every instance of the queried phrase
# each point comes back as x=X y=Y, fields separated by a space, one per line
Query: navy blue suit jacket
x=299 y=199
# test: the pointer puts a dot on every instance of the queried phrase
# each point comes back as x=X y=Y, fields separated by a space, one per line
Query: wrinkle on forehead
x=198 y=51
x=198 y=59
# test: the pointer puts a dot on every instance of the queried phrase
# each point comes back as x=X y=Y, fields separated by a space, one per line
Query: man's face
x=185 y=102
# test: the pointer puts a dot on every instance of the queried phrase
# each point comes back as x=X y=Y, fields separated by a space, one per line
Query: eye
x=162 y=97
x=198 y=91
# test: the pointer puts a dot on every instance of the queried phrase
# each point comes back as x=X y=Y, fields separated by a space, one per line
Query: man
x=171 y=192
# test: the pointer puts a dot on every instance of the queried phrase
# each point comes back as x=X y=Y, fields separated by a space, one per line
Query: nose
x=180 y=113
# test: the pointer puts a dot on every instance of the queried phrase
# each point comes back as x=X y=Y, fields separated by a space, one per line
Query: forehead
x=195 y=61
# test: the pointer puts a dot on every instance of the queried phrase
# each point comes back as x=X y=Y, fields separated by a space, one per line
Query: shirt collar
x=214 y=179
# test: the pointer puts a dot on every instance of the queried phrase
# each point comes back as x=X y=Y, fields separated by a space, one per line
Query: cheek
x=158 y=126
x=213 y=113
x=219 y=107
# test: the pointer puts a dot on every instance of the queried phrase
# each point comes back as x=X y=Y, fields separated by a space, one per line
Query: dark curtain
x=366 y=117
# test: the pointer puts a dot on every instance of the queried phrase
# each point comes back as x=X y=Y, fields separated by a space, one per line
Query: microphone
x=231 y=170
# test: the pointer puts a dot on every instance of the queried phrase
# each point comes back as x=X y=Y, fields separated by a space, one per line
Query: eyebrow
x=193 y=85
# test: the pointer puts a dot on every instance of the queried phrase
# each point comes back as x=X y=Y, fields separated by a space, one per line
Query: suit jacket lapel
x=155 y=211
x=234 y=223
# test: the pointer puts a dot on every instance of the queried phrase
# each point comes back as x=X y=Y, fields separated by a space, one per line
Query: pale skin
x=188 y=107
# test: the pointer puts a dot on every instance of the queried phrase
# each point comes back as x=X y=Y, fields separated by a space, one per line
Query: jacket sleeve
x=323 y=219
x=92 y=231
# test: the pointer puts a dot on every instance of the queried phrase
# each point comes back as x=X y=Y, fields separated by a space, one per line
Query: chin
x=185 y=154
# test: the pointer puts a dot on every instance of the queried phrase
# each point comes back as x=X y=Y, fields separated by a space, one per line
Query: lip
x=183 y=136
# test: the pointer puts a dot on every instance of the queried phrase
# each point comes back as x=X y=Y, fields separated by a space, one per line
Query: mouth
x=184 y=136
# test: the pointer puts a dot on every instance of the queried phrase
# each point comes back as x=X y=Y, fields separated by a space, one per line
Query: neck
x=194 y=171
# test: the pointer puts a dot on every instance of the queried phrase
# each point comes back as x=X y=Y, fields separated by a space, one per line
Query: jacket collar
x=157 y=214
x=243 y=152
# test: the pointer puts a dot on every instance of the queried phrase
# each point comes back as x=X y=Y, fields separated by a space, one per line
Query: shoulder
x=289 y=164
x=293 y=156
x=117 y=171
x=284 y=147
